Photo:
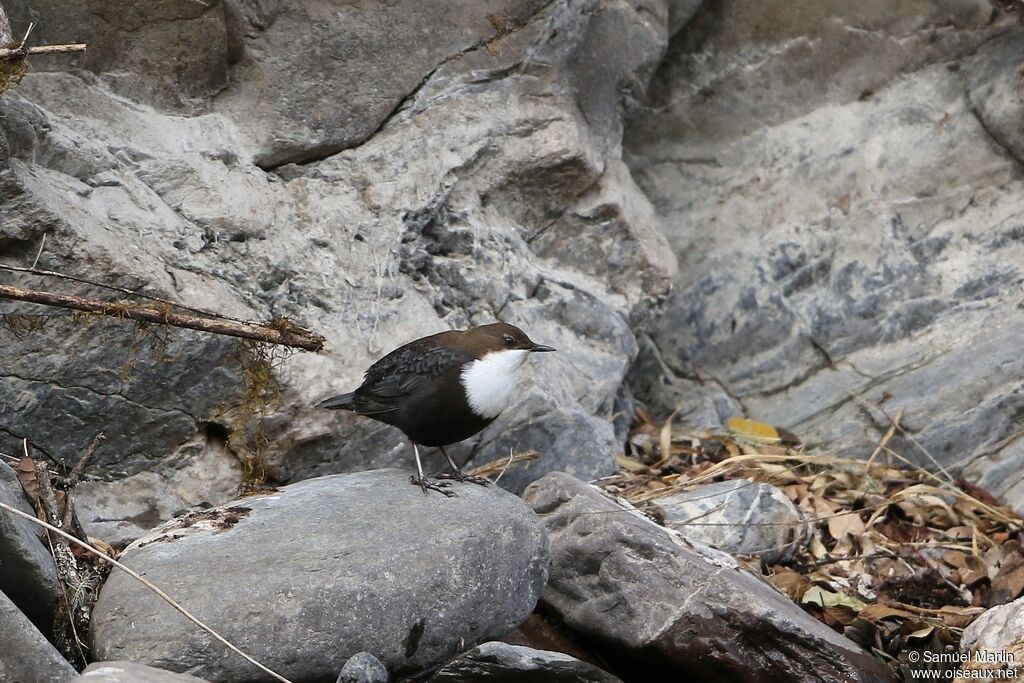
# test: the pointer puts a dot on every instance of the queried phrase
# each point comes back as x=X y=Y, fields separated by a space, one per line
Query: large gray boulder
x=466 y=168
x=668 y=608
x=27 y=656
x=842 y=185
x=131 y=672
x=307 y=576
x=28 y=576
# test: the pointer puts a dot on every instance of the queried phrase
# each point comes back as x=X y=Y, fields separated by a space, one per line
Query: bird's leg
x=422 y=481
x=458 y=475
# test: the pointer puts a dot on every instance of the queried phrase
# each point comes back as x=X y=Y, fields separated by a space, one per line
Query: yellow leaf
x=755 y=431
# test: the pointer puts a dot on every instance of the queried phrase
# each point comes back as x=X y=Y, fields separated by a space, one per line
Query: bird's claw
x=427 y=485
x=463 y=477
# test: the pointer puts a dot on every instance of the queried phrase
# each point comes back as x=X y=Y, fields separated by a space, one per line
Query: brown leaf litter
x=900 y=560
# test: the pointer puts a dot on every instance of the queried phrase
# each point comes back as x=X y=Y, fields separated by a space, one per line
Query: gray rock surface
x=307 y=576
x=842 y=186
x=496 y=661
x=465 y=168
x=130 y=672
x=28 y=657
x=1000 y=630
x=28 y=576
x=667 y=607
x=738 y=516
x=363 y=667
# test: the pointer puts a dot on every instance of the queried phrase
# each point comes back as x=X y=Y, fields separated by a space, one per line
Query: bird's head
x=497 y=337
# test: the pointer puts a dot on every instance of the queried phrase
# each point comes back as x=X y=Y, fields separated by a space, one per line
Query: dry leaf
x=752 y=430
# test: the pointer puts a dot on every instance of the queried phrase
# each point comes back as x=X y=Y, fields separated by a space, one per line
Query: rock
x=5 y=28
x=28 y=576
x=363 y=667
x=993 y=88
x=497 y=661
x=307 y=576
x=27 y=656
x=663 y=607
x=374 y=62
x=169 y=53
x=996 y=635
x=738 y=516
x=842 y=187
x=130 y=672
x=474 y=176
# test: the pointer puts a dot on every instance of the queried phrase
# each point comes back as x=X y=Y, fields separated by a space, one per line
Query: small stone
x=363 y=667
x=738 y=516
x=998 y=634
x=504 y=663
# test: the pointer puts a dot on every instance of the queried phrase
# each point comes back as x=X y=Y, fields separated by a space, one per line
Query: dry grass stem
x=148 y=584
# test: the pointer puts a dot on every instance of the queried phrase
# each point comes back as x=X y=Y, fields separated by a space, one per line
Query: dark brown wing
x=403 y=372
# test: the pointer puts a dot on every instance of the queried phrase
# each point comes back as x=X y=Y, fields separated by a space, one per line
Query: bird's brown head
x=500 y=337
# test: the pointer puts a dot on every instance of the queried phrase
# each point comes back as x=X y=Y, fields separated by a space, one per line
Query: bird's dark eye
x=509 y=339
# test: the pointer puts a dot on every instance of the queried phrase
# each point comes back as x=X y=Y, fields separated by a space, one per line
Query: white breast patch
x=490 y=380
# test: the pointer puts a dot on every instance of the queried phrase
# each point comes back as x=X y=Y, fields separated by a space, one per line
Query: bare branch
x=22 y=52
x=83 y=460
x=281 y=332
x=114 y=288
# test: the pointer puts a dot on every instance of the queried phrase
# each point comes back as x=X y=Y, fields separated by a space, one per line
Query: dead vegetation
x=899 y=559
x=80 y=572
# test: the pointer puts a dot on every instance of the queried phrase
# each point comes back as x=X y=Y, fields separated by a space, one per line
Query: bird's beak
x=536 y=348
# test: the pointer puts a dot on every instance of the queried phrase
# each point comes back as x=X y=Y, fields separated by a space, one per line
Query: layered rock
x=285 y=169
x=305 y=577
x=842 y=186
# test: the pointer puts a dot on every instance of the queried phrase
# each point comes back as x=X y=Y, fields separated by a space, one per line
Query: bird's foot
x=428 y=485
x=460 y=476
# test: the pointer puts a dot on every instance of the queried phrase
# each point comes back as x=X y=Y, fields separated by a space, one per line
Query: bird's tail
x=343 y=401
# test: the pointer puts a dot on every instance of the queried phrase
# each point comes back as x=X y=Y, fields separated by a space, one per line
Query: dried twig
x=83 y=460
x=500 y=465
x=284 y=333
x=893 y=426
x=148 y=584
x=21 y=51
x=67 y=566
x=114 y=288
x=42 y=244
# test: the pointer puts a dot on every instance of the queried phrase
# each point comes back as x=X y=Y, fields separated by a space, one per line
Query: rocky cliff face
x=838 y=184
x=842 y=186
x=376 y=173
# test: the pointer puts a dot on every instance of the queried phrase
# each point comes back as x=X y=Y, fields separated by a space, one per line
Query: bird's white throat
x=489 y=381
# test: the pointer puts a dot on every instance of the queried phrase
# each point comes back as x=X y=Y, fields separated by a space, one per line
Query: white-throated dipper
x=442 y=389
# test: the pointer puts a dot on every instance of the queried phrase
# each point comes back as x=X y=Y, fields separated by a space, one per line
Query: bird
x=442 y=389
